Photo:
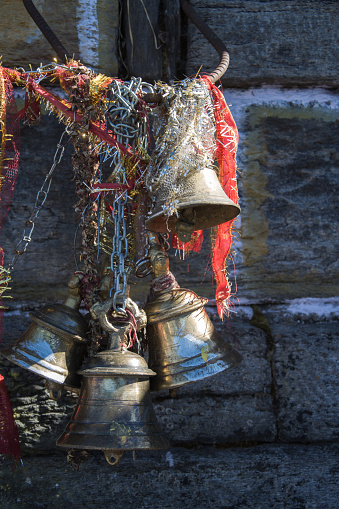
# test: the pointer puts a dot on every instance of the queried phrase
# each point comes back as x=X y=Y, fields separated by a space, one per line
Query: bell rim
x=63 y=378
x=109 y=371
x=157 y=383
x=118 y=363
x=163 y=443
x=154 y=223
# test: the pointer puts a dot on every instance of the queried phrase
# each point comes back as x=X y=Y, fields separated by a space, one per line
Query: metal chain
x=125 y=120
x=40 y=199
x=119 y=253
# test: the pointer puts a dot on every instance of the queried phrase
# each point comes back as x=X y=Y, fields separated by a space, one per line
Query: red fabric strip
x=65 y=108
x=227 y=144
x=9 y=436
x=10 y=127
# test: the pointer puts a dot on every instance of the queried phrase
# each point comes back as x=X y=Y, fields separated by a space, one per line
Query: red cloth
x=227 y=144
x=9 y=438
x=193 y=245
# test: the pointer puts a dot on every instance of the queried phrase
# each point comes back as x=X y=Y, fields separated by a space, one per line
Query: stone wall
x=263 y=434
x=88 y=30
x=273 y=42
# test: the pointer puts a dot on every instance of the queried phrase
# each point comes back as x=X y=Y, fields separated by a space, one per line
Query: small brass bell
x=54 y=345
x=201 y=203
x=114 y=411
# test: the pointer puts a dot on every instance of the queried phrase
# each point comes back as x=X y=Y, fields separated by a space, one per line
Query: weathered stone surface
x=41 y=274
x=285 y=42
x=87 y=30
x=216 y=420
x=40 y=420
x=233 y=406
x=283 y=477
x=306 y=362
x=289 y=186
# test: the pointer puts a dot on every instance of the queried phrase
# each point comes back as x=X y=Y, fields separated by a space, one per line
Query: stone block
x=41 y=273
x=280 y=42
x=288 y=192
x=216 y=420
x=283 y=477
x=306 y=365
x=90 y=33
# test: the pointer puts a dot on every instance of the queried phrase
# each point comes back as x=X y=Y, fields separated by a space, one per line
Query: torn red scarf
x=227 y=143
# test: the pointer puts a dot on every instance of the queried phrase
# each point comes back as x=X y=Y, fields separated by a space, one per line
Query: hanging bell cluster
x=182 y=191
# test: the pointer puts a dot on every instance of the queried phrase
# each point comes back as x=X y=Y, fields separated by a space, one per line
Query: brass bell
x=184 y=346
x=114 y=411
x=54 y=344
x=201 y=202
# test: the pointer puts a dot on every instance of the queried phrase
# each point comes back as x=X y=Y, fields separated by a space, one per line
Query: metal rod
x=47 y=31
x=212 y=38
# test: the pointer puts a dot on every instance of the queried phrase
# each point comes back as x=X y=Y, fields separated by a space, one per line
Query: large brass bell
x=201 y=203
x=54 y=344
x=114 y=411
x=184 y=346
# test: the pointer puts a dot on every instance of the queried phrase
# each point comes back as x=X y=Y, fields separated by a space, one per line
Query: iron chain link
x=40 y=199
x=119 y=253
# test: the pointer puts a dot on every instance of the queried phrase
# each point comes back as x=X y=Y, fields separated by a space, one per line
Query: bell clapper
x=55 y=390
x=185 y=226
x=116 y=455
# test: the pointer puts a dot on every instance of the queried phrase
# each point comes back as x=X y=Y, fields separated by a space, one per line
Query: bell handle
x=158 y=258
x=143 y=267
x=116 y=454
x=73 y=299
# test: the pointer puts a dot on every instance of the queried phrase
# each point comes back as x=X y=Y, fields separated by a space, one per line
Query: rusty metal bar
x=212 y=38
x=47 y=31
